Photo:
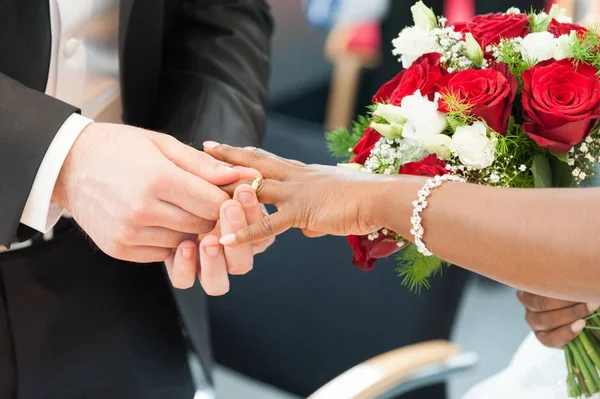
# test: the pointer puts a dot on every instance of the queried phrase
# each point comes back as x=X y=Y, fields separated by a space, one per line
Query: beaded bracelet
x=421 y=203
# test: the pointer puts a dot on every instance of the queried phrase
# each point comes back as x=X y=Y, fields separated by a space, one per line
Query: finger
x=182 y=265
x=154 y=237
x=537 y=303
x=269 y=192
x=262 y=246
x=267 y=227
x=140 y=254
x=561 y=336
x=193 y=194
x=239 y=259
x=174 y=218
x=247 y=173
x=196 y=162
x=552 y=319
x=269 y=165
x=312 y=234
x=246 y=196
x=213 y=270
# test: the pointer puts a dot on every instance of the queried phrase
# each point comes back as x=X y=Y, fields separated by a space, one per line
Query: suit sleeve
x=214 y=82
x=29 y=120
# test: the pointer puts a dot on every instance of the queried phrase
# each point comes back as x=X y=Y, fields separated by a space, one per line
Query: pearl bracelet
x=421 y=203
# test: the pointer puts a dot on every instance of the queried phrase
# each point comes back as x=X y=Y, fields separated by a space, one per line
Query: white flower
x=494 y=178
x=391 y=131
x=564 y=46
x=423 y=16
x=522 y=168
x=560 y=14
x=438 y=144
x=473 y=147
x=539 y=46
x=423 y=117
x=474 y=51
x=513 y=10
x=389 y=112
x=412 y=43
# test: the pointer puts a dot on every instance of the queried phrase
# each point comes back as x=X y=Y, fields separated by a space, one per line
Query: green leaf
x=542 y=173
x=562 y=174
x=341 y=141
x=415 y=269
x=562 y=156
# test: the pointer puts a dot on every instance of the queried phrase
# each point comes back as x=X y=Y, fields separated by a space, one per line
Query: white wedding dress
x=535 y=372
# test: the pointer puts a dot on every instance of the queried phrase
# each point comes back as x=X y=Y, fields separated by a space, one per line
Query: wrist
x=395 y=193
x=60 y=194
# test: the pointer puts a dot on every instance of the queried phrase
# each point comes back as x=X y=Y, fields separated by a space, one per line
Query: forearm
x=29 y=121
x=530 y=239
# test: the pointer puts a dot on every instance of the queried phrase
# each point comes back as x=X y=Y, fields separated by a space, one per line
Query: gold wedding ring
x=257 y=183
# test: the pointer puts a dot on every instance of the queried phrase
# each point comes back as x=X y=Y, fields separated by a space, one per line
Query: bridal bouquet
x=509 y=100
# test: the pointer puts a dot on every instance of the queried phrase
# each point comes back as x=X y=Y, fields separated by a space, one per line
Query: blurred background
x=306 y=314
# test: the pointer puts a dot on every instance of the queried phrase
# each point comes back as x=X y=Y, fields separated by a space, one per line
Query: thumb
x=196 y=162
x=267 y=227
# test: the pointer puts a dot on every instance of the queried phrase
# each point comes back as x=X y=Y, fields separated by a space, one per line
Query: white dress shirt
x=84 y=72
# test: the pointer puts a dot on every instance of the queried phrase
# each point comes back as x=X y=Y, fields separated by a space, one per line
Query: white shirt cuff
x=40 y=212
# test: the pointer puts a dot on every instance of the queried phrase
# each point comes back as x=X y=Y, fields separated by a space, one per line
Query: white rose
x=539 y=46
x=438 y=144
x=513 y=10
x=412 y=43
x=423 y=16
x=423 y=117
x=389 y=112
x=564 y=46
x=473 y=147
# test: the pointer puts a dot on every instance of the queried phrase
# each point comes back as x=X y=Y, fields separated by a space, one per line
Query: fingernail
x=210 y=144
x=247 y=198
x=187 y=253
x=578 y=326
x=592 y=307
x=213 y=250
x=234 y=214
x=227 y=239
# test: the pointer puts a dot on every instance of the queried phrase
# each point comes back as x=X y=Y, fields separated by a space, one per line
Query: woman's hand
x=314 y=198
x=555 y=322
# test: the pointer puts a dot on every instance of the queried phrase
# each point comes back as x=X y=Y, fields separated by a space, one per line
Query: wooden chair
x=398 y=372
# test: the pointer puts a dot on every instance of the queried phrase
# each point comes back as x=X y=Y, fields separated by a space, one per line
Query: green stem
x=574 y=389
x=590 y=350
x=583 y=362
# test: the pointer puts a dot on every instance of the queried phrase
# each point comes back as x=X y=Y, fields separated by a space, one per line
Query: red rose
x=559 y=29
x=490 y=28
x=366 y=252
x=561 y=103
x=429 y=166
x=422 y=75
x=491 y=93
x=363 y=148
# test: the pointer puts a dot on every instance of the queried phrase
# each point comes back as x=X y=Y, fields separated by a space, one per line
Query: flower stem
x=588 y=370
x=574 y=390
x=590 y=349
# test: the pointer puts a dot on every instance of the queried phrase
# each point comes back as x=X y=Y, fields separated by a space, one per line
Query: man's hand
x=215 y=261
x=555 y=322
x=138 y=193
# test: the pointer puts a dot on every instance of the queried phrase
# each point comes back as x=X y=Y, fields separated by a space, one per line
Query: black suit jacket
x=196 y=69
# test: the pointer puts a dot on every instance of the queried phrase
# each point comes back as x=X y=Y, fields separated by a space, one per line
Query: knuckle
x=545 y=338
x=139 y=212
x=125 y=234
x=266 y=226
x=533 y=321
